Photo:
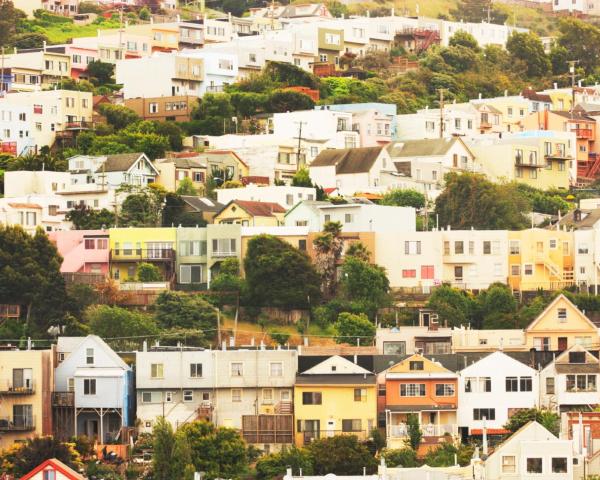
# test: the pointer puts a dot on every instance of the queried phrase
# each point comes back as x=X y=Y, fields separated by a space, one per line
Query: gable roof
x=122 y=162
x=430 y=368
x=531 y=426
x=58 y=466
x=551 y=305
x=310 y=204
x=74 y=343
x=223 y=153
x=336 y=365
x=575 y=115
x=531 y=94
x=589 y=218
x=256 y=209
x=202 y=204
x=348 y=160
x=425 y=147
x=493 y=357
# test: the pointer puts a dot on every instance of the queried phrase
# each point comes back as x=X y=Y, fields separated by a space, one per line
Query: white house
x=100 y=384
x=219 y=69
x=570 y=382
x=177 y=383
x=491 y=390
x=286 y=196
x=458 y=119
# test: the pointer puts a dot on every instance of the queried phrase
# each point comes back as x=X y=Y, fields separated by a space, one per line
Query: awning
x=490 y=431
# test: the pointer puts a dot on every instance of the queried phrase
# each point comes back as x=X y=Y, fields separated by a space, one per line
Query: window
x=409 y=273
x=534 y=465
x=528 y=269
x=267 y=395
x=236 y=395
x=576 y=357
x=348 y=218
x=415 y=365
x=553 y=243
x=459 y=247
x=188 y=395
x=550 y=386
x=195 y=370
x=237 y=369
x=512 y=384
x=412 y=247
x=394 y=348
x=302 y=245
x=360 y=394
x=151 y=397
x=153 y=107
x=541 y=343
x=562 y=315
x=481 y=413
x=478 y=384
x=487 y=247
x=509 y=464
x=559 y=465
x=312 y=398
x=89 y=244
x=89 y=356
x=351 y=425
x=581 y=383
x=525 y=384
x=444 y=390
x=156 y=370
x=427 y=272
x=582 y=249
x=515 y=270
x=276 y=369
x=168 y=397
x=412 y=390
x=89 y=386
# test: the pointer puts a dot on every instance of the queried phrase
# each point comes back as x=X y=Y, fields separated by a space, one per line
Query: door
x=330 y=428
x=91 y=428
x=17 y=378
x=562 y=343
x=23 y=416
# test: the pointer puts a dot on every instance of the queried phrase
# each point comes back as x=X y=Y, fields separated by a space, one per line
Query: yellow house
x=251 y=214
x=132 y=246
x=26 y=380
x=561 y=98
x=512 y=110
x=163 y=36
x=560 y=326
x=335 y=397
x=540 y=259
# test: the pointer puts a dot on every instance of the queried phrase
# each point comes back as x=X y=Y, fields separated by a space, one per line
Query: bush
x=146 y=272
x=402 y=457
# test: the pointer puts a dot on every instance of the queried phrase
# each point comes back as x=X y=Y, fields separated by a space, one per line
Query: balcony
x=430 y=430
x=9 y=387
x=308 y=437
x=583 y=133
x=485 y=125
x=139 y=254
x=63 y=399
x=558 y=156
x=223 y=254
x=79 y=125
x=17 y=423
x=519 y=163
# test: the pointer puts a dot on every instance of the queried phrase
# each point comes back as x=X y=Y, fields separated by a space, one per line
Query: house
x=422 y=387
x=466 y=339
x=27 y=214
x=191 y=262
x=350 y=170
x=560 y=326
x=224 y=165
x=175 y=383
x=531 y=452
x=254 y=393
x=93 y=390
x=82 y=251
x=570 y=382
x=355 y=216
x=335 y=396
x=456 y=120
x=584 y=224
x=251 y=213
x=53 y=469
x=46 y=66
x=178 y=166
x=491 y=390
x=167 y=108
x=26 y=381
x=513 y=110
x=223 y=241
x=286 y=196
x=206 y=208
x=295 y=236
x=110 y=172
x=131 y=246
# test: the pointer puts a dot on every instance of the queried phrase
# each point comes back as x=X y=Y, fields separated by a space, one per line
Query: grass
x=60 y=29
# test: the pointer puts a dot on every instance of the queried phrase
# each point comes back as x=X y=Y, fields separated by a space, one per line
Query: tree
x=496 y=307
x=182 y=310
x=84 y=217
x=236 y=7
x=181 y=465
x=470 y=200
x=144 y=14
x=572 y=30
x=292 y=279
x=30 y=40
x=280 y=337
x=147 y=272
x=101 y=73
x=274 y=465
x=527 y=48
x=402 y=457
x=359 y=251
x=375 y=60
x=289 y=101
x=227 y=279
x=477 y=11
x=186 y=187
x=354 y=329
x=162 y=454
x=117 y=115
x=328 y=251
x=290 y=75
x=36 y=450
x=341 y=455
x=464 y=39
x=143 y=207
x=547 y=418
x=365 y=284
x=445 y=454
x=404 y=198
x=453 y=306
x=220 y=452
x=302 y=178
x=9 y=19
x=109 y=322
x=414 y=431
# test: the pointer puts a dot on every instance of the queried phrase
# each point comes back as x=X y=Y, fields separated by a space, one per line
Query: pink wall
x=76 y=258
x=77 y=68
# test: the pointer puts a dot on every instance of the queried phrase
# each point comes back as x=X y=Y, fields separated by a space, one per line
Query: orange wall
x=393 y=392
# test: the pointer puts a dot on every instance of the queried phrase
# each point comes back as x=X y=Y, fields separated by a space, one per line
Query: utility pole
x=3 y=74
x=299 y=150
x=441 y=101
x=572 y=64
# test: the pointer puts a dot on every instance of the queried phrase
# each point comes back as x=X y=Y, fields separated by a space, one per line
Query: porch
x=435 y=424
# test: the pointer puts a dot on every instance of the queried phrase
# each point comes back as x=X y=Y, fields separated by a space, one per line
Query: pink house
x=81 y=56
x=83 y=251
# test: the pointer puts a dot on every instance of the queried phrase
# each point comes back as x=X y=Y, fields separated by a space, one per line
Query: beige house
x=173 y=108
x=179 y=166
x=251 y=214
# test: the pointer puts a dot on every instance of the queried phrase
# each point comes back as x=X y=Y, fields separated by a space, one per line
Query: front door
x=562 y=343
x=91 y=428
x=330 y=428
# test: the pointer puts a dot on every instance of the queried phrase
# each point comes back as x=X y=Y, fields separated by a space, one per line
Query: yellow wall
x=551 y=268
x=337 y=403
x=237 y=215
x=576 y=328
x=561 y=100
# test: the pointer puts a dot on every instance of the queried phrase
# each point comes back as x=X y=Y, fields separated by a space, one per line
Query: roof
x=224 y=152
x=575 y=115
x=416 y=408
x=348 y=160
x=425 y=147
x=562 y=296
x=25 y=205
x=577 y=368
x=589 y=218
x=488 y=107
x=531 y=94
x=120 y=162
x=57 y=465
x=257 y=209
x=202 y=204
x=185 y=162
x=336 y=379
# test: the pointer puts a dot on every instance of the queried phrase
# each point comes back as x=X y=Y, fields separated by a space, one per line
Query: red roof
x=255 y=180
x=259 y=209
x=25 y=205
x=490 y=431
x=56 y=465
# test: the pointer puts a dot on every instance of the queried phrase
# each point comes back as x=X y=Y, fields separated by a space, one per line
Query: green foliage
x=528 y=49
x=181 y=310
x=365 y=284
x=359 y=251
x=280 y=337
x=117 y=115
x=355 y=329
x=403 y=198
x=186 y=187
x=289 y=75
x=109 y=322
x=341 y=455
x=9 y=18
x=443 y=456
x=476 y=11
x=547 y=418
x=414 y=431
x=227 y=279
x=470 y=200
x=497 y=307
x=30 y=40
x=289 y=101
x=291 y=277
x=402 y=457
x=86 y=218
x=36 y=451
x=549 y=202
x=236 y=7
x=147 y=272
x=453 y=306
x=328 y=251
x=274 y=465
x=464 y=39
x=162 y=451
x=572 y=30
x=101 y=73
x=143 y=207
x=144 y=14
x=302 y=178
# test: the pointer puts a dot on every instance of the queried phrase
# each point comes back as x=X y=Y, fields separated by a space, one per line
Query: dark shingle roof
x=531 y=94
x=588 y=219
x=576 y=115
x=348 y=160
x=336 y=379
x=202 y=204
x=577 y=368
x=259 y=209
x=187 y=163
x=419 y=148
x=119 y=163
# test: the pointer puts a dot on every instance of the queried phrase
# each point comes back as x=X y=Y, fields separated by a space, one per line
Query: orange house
x=422 y=387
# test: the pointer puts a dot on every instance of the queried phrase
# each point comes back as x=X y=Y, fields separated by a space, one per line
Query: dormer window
x=333 y=368
x=89 y=356
x=416 y=365
x=576 y=357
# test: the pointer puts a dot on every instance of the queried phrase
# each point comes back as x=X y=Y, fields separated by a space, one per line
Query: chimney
x=145 y=346
x=579 y=83
x=151 y=20
x=479 y=95
x=555 y=85
x=356 y=359
x=232 y=341
x=28 y=343
x=44 y=45
x=224 y=345
x=178 y=18
x=506 y=93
